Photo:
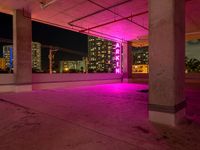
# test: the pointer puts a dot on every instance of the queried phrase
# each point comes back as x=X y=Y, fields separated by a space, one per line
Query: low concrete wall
x=192 y=78
x=54 y=85
x=6 y=79
x=140 y=78
x=49 y=81
x=189 y=78
x=7 y=82
x=73 y=77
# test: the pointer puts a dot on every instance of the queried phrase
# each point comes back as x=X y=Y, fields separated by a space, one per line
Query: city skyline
x=8 y=58
x=50 y=35
x=100 y=51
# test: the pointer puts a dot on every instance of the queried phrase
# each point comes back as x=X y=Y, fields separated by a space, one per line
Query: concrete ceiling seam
x=99 y=11
x=110 y=22
x=130 y=20
x=103 y=35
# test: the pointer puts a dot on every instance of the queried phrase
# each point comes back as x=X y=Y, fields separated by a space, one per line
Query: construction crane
x=51 y=58
x=52 y=50
x=63 y=49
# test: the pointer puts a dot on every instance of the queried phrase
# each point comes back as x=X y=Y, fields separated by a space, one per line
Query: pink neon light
x=117 y=58
x=117 y=51
x=117 y=70
x=117 y=64
x=117 y=45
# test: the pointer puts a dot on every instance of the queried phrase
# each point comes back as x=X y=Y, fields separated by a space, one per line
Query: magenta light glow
x=118 y=58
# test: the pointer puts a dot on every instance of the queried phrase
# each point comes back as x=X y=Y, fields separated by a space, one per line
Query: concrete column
x=22 y=40
x=166 y=60
x=127 y=62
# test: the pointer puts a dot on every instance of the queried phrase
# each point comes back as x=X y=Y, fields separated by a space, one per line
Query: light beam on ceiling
x=45 y=4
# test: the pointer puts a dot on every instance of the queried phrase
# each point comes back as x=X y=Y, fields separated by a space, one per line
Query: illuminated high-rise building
x=36 y=56
x=140 y=60
x=140 y=55
x=2 y=64
x=71 y=66
x=100 y=55
x=8 y=56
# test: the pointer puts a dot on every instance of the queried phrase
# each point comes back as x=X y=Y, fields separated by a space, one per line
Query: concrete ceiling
x=116 y=19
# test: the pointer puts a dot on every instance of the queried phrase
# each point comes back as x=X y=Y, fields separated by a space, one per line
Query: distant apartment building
x=36 y=56
x=8 y=56
x=2 y=64
x=140 y=60
x=100 y=55
x=140 y=55
x=72 y=66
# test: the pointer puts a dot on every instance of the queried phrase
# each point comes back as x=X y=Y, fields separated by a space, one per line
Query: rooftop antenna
x=45 y=4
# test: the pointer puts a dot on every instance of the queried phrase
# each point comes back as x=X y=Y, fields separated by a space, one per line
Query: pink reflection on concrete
x=114 y=110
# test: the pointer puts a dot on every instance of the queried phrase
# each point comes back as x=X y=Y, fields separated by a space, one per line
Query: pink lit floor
x=103 y=117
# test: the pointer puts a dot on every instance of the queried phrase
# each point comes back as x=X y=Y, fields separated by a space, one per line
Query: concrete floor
x=103 y=117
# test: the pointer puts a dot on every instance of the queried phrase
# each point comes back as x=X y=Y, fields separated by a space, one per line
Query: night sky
x=50 y=35
x=6 y=26
x=47 y=34
x=59 y=37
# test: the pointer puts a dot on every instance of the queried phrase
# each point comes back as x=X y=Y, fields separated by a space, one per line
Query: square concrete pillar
x=22 y=39
x=166 y=61
x=127 y=62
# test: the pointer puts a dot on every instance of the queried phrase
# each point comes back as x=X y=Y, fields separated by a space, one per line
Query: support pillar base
x=168 y=115
x=171 y=119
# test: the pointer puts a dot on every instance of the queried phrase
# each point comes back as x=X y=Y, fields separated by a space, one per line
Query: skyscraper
x=36 y=56
x=71 y=66
x=2 y=64
x=140 y=55
x=8 y=56
x=100 y=55
x=140 y=60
